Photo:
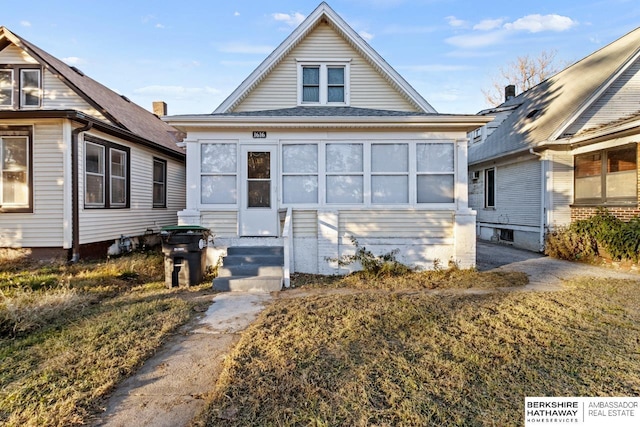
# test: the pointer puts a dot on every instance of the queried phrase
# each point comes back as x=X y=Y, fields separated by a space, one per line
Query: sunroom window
x=218 y=168
x=435 y=172
x=389 y=173
x=345 y=173
x=300 y=173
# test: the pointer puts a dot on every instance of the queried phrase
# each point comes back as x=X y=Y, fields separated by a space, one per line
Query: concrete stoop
x=251 y=268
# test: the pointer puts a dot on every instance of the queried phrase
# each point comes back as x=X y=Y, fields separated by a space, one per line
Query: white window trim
x=23 y=90
x=103 y=175
x=323 y=64
x=3 y=204
x=117 y=177
x=236 y=174
x=10 y=104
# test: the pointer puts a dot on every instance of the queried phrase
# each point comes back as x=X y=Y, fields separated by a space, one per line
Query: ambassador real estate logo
x=582 y=411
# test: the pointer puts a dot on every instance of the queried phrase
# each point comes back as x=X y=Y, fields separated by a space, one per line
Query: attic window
x=532 y=113
x=20 y=87
x=323 y=82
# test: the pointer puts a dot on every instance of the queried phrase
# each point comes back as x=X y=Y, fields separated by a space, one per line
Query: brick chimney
x=159 y=108
x=509 y=92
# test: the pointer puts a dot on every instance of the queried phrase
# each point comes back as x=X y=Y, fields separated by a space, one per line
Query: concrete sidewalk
x=169 y=390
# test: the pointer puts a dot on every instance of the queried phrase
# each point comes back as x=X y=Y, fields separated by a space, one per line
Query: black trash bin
x=185 y=254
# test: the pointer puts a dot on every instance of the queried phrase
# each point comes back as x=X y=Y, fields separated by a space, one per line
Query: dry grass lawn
x=412 y=358
x=69 y=334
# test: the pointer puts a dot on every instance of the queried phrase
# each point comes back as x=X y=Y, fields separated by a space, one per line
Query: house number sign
x=259 y=134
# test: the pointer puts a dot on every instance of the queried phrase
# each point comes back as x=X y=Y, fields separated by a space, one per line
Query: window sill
x=16 y=210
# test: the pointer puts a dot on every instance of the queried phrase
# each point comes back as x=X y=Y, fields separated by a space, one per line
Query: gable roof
x=542 y=113
x=324 y=13
x=123 y=113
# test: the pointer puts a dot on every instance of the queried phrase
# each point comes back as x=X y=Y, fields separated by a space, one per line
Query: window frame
x=368 y=175
x=235 y=174
x=107 y=200
x=18 y=132
x=323 y=65
x=487 y=204
x=604 y=200
x=12 y=80
x=156 y=204
x=18 y=91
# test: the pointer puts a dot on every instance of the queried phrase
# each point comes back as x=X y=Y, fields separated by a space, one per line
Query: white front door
x=258 y=207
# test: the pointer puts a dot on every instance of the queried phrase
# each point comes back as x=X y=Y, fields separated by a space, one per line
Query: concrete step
x=249 y=270
x=248 y=284
x=255 y=250
x=262 y=260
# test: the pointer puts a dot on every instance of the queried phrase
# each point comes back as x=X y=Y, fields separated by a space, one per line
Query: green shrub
x=372 y=265
x=601 y=235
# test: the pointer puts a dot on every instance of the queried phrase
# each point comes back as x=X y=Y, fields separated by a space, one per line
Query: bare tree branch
x=525 y=72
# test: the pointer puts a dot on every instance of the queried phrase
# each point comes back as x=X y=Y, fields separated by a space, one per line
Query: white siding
x=58 y=96
x=305 y=223
x=14 y=55
x=517 y=195
x=221 y=223
x=368 y=88
x=98 y=225
x=43 y=227
x=619 y=100
x=396 y=224
x=560 y=188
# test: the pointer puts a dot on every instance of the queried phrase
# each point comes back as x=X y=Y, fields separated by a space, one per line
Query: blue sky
x=193 y=54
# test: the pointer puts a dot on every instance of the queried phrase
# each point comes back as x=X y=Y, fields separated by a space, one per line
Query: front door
x=258 y=212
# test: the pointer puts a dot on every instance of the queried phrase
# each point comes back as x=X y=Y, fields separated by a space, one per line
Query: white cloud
x=245 y=48
x=175 y=91
x=25 y=23
x=292 y=20
x=73 y=60
x=365 y=35
x=475 y=40
x=236 y=13
x=455 y=22
x=537 y=23
x=488 y=24
x=160 y=26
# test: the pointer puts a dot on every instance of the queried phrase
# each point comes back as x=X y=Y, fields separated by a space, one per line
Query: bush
x=601 y=235
x=372 y=265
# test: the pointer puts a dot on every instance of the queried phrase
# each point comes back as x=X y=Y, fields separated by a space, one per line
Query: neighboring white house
x=81 y=165
x=560 y=150
x=325 y=129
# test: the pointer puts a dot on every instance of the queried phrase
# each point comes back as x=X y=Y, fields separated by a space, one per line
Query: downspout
x=75 y=200
x=543 y=197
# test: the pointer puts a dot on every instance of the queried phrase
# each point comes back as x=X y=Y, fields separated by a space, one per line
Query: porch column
x=464 y=217
x=191 y=215
x=327 y=242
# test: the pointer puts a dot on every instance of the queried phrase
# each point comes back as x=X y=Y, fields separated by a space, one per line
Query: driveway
x=545 y=273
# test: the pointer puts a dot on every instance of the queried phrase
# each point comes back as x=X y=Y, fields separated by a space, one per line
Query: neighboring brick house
x=561 y=150
x=82 y=166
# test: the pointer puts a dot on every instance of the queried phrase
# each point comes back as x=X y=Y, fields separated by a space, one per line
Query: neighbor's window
x=389 y=173
x=30 y=88
x=607 y=176
x=435 y=172
x=300 y=173
x=490 y=188
x=106 y=174
x=323 y=83
x=345 y=173
x=15 y=147
x=159 y=183
x=218 y=171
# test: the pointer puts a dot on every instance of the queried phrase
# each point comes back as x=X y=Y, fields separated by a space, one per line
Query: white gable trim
x=594 y=97
x=323 y=11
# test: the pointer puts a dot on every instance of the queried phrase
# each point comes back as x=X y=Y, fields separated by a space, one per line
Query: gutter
x=75 y=200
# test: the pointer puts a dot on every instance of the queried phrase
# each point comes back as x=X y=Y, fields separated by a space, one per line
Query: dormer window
x=20 y=87
x=323 y=82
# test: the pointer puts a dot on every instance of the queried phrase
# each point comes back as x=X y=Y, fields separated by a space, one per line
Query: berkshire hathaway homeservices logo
x=582 y=411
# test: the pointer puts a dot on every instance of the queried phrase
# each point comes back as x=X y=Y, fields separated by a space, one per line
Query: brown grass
x=415 y=359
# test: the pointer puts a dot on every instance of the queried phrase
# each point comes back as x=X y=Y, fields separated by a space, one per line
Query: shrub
x=602 y=234
x=372 y=265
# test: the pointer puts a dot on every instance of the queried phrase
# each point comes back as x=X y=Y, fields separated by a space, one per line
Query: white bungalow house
x=324 y=141
x=561 y=150
x=83 y=168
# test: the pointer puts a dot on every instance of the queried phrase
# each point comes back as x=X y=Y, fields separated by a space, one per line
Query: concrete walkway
x=545 y=273
x=170 y=388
